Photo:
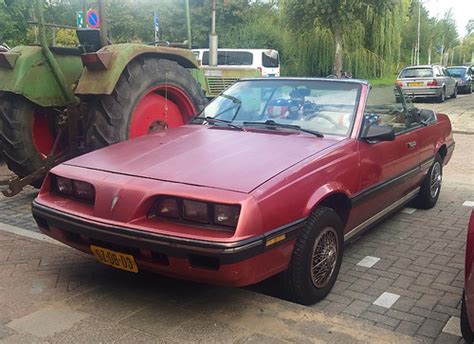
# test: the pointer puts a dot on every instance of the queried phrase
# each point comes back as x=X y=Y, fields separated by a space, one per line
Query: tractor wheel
x=151 y=94
x=26 y=134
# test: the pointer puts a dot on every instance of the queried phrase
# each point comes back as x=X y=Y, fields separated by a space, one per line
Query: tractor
x=57 y=103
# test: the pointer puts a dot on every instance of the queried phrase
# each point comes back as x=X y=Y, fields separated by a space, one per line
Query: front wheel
x=152 y=94
x=431 y=186
x=316 y=258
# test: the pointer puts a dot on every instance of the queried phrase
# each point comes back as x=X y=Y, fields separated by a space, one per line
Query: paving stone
x=427 y=301
x=356 y=307
x=431 y=328
x=452 y=327
x=407 y=327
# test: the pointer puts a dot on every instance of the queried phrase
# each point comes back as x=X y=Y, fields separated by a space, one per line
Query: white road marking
x=27 y=233
x=452 y=327
x=368 y=261
x=408 y=210
x=386 y=300
x=468 y=204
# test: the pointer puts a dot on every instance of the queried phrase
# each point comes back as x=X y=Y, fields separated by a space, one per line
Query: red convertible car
x=273 y=176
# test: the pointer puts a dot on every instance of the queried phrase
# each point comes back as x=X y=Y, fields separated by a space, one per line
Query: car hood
x=207 y=156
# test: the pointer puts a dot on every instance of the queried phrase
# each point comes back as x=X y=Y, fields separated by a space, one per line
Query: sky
x=463 y=10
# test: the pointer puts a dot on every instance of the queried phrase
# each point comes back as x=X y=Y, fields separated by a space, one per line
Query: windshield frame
x=359 y=84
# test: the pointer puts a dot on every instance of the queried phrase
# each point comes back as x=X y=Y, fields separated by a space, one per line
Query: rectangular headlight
x=195 y=211
x=63 y=185
x=226 y=215
x=167 y=207
x=83 y=190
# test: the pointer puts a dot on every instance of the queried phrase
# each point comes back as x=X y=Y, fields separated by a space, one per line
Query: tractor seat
x=65 y=51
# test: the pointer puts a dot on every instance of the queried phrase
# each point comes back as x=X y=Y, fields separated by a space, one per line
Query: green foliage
x=376 y=36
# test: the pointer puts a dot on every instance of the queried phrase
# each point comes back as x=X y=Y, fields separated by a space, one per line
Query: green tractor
x=57 y=103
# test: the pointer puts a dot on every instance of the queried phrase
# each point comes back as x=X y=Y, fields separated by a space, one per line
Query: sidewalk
x=51 y=293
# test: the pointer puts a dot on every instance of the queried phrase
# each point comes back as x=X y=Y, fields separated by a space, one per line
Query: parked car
x=428 y=81
x=467 y=302
x=464 y=77
x=273 y=176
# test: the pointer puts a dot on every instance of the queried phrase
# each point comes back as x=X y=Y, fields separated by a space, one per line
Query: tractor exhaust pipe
x=213 y=40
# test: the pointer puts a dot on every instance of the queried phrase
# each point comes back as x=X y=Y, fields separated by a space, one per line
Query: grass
x=386 y=80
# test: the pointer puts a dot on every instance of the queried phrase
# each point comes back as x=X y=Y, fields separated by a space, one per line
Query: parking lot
x=400 y=282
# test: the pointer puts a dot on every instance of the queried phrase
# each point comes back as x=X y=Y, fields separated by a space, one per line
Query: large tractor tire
x=26 y=134
x=151 y=94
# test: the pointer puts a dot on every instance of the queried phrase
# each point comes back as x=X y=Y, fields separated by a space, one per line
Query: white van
x=265 y=60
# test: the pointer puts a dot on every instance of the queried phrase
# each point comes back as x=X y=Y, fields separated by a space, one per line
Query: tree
x=338 y=16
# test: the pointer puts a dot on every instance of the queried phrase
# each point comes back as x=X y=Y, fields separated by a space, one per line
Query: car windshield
x=322 y=106
x=457 y=72
x=416 y=73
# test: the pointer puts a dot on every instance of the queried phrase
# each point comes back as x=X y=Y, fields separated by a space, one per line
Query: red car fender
x=323 y=193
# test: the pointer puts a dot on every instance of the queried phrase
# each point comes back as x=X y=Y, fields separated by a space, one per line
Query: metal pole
x=84 y=9
x=103 y=26
x=154 y=27
x=213 y=40
x=188 y=23
x=56 y=71
x=418 y=39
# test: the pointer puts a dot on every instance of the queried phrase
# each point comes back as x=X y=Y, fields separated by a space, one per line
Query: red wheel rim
x=43 y=138
x=164 y=106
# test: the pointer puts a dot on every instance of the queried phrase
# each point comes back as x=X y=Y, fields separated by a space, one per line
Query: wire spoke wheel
x=435 y=179
x=324 y=257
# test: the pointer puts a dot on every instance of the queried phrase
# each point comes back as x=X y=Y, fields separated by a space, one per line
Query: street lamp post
x=213 y=41
x=418 y=38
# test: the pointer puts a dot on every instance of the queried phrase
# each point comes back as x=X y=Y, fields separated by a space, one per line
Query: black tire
x=16 y=139
x=427 y=197
x=455 y=92
x=466 y=330
x=298 y=279
x=110 y=115
x=442 y=97
x=469 y=89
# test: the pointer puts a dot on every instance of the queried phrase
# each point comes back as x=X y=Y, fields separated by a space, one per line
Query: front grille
x=218 y=84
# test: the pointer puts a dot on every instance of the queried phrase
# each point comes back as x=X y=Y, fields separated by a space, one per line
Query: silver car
x=428 y=81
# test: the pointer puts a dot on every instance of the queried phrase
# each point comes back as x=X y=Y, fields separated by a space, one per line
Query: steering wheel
x=327 y=118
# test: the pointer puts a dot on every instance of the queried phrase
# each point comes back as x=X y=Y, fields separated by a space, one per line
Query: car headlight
x=168 y=207
x=201 y=212
x=73 y=188
x=64 y=185
x=195 y=211
x=226 y=215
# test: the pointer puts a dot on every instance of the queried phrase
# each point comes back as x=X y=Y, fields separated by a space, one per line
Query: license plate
x=414 y=84
x=115 y=259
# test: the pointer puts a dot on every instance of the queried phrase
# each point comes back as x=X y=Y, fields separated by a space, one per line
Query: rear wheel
x=455 y=93
x=442 y=97
x=151 y=94
x=27 y=134
x=431 y=186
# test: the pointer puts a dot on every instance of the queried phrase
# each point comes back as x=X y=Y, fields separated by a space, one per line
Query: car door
x=388 y=169
x=450 y=81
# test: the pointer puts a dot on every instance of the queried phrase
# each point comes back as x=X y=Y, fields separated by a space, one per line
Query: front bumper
x=237 y=263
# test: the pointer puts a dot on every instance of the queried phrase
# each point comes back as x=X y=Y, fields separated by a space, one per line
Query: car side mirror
x=379 y=133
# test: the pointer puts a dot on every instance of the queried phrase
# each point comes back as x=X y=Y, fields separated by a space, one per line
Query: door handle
x=411 y=144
